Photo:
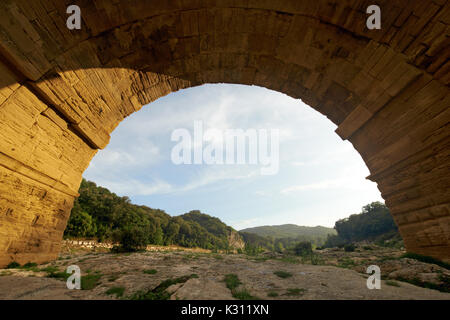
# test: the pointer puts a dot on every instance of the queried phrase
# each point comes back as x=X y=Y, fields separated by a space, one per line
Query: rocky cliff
x=235 y=240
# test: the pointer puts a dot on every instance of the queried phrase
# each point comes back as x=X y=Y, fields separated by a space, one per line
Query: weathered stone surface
x=196 y=289
x=319 y=282
x=62 y=92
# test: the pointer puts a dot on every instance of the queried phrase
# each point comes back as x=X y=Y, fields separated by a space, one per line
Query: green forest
x=317 y=233
x=102 y=215
x=286 y=236
x=374 y=224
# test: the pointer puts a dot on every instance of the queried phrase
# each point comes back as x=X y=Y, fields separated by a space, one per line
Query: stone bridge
x=62 y=92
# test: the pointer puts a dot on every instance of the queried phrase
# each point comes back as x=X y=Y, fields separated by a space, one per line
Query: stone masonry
x=62 y=92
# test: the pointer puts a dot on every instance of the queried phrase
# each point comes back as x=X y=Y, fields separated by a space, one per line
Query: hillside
x=373 y=224
x=290 y=231
x=284 y=236
x=216 y=227
x=211 y=224
x=102 y=215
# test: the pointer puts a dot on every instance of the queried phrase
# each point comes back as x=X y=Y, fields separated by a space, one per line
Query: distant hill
x=216 y=227
x=211 y=224
x=284 y=236
x=290 y=231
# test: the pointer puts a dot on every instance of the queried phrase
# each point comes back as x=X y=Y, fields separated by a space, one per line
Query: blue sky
x=320 y=179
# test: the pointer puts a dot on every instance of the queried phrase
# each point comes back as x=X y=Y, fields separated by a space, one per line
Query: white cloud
x=298 y=163
x=206 y=177
x=135 y=153
x=133 y=187
x=214 y=174
x=247 y=223
x=313 y=159
x=326 y=184
x=262 y=193
x=350 y=177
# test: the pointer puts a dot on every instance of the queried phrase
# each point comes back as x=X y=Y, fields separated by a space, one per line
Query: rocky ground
x=330 y=274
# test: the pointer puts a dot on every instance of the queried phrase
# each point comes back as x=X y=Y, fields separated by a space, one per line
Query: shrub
x=30 y=266
x=50 y=269
x=243 y=295
x=349 y=247
x=130 y=239
x=90 y=281
x=252 y=250
x=444 y=286
x=392 y=283
x=303 y=249
x=334 y=240
x=59 y=275
x=283 y=274
x=290 y=259
x=150 y=271
x=232 y=281
x=316 y=259
x=345 y=263
x=53 y=272
x=13 y=265
x=118 y=291
x=272 y=294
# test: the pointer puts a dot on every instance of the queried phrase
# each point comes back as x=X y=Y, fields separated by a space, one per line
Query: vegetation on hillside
x=374 y=223
x=284 y=237
x=102 y=215
x=317 y=233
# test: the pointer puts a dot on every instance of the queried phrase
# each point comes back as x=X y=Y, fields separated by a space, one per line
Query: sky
x=320 y=177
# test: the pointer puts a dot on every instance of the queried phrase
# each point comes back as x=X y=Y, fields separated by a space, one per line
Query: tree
x=171 y=232
x=334 y=241
x=303 y=249
x=373 y=221
x=279 y=247
x=158 y=237
x=80 y=224
x=131 y=238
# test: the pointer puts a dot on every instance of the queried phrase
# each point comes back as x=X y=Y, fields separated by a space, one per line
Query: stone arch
x=63 y=91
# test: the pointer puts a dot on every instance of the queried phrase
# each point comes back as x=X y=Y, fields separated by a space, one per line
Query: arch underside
x=62 y=93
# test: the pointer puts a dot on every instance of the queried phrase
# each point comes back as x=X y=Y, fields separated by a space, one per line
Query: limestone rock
x=198 y=288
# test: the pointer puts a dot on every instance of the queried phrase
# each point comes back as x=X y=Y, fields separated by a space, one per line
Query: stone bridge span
x=62 y=92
